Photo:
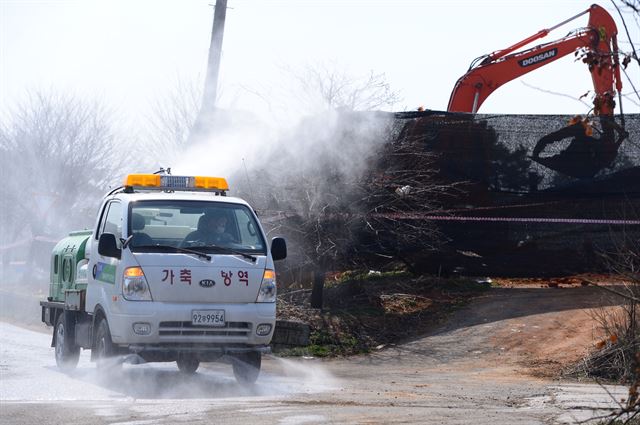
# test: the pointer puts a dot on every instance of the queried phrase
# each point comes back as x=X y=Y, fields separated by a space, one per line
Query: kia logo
x=207 y=283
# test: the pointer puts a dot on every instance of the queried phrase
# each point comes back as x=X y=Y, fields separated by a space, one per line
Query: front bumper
x=170 y=326
x=203 y=352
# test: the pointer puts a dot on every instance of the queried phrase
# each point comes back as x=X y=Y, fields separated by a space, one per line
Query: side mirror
x=108 y=247
x=278 y=249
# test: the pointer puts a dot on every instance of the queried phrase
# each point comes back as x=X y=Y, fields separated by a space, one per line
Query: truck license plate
x=207 y=317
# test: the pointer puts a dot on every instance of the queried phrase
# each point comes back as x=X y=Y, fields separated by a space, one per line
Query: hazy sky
x=129 y=53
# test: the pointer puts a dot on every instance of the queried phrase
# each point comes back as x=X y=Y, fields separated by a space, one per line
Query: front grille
x=240 y=329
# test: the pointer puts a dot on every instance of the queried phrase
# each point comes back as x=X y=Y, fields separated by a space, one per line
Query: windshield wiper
x=178 y=249
x=230 y=250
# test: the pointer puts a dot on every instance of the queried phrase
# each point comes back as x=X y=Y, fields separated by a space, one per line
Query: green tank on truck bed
x=67 y=294
x=69 y=265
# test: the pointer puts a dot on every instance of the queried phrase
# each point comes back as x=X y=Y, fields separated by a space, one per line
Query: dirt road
x=485 y=365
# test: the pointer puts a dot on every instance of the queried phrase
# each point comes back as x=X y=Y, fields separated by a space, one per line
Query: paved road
x=454 y=376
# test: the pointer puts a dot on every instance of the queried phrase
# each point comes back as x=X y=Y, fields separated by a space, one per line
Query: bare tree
x=618 y=356
x=58 y=156
x=171 y=121
x=333 y=88
x=348 y=194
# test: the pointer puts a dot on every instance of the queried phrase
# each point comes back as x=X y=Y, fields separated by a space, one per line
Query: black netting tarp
x=535 y=194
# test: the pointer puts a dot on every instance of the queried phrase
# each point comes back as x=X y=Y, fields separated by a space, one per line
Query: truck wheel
x=246 y=367
x=187 y=363
x=67 y=352
x=105 y=350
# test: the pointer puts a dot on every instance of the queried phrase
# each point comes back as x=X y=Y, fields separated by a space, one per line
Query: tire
x=188 y=363
x=67 y=352
x=246 y=367
x=105 y=351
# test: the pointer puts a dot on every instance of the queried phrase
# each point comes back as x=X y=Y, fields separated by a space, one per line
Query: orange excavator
x=597 y=45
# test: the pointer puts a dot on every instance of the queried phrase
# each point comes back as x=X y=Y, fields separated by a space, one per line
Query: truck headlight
x=267 y=292
x=134 y=285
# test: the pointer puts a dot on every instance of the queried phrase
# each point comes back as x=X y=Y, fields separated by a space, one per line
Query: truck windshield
x=199 y=225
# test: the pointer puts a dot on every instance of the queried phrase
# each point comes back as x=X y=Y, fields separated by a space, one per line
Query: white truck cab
x=174 y=270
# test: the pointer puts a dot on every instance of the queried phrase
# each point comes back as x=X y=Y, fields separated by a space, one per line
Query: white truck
x=174 y=270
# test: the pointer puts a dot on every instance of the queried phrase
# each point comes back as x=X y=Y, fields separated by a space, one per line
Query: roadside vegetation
x=616 y=358
x=365 y=310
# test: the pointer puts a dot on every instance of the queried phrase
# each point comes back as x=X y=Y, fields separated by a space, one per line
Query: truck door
x=103 y=271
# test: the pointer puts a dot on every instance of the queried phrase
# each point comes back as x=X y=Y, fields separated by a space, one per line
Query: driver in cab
x=212 y=230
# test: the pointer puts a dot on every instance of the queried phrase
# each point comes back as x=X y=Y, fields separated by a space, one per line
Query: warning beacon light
x=173 y=183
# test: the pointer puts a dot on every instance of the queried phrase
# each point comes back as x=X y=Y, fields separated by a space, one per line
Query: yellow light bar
x=170 y=182
x=218 y=183
x=142 y=180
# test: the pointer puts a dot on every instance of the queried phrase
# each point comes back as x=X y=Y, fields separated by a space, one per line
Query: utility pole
x=215 y=52
x=208 y=106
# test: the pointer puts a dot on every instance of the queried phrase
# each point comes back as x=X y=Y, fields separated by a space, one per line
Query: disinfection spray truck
x=174 y=270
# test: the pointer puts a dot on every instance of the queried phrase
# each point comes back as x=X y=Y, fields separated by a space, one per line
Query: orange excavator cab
x=598 y=47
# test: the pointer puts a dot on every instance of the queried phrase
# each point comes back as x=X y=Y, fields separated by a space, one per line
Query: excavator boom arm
x=598 y=40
